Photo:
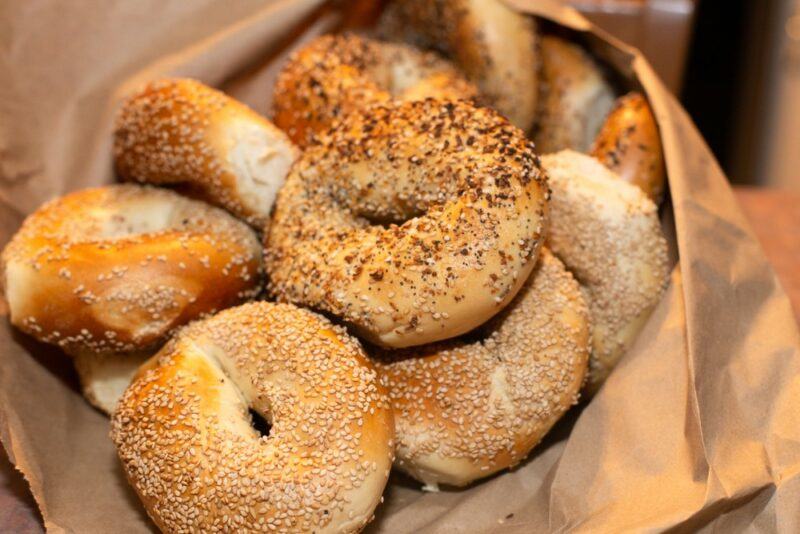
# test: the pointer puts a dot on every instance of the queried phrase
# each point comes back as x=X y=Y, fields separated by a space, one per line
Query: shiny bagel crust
x=117 y=268
x=467 y=408
x=336 y=75
x=413 y=222
x=607 y=233
x=629 y=144
x=496 y=46
x=575 y=98
x=183 y=133
x=187 y=444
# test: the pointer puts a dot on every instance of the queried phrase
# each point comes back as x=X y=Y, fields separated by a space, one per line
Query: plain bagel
x=104 y=376
x=413 y=222
x=117 y=268
x=183 y=133
x=189 y=448
x=496 y=46
x=466 y=408
x=607 y=233
x=336 y=75
x=629 y=144
x=575 y=98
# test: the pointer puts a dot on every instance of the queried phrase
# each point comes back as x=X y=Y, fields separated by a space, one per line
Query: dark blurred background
x=735 y=64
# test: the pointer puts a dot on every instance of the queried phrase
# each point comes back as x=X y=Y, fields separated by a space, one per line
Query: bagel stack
x=338 y=75
x=440 y=290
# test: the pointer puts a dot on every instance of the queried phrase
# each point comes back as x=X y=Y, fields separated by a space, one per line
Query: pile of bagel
x=445 y=237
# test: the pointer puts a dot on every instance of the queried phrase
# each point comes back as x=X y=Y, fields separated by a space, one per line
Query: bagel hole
x=259 y=423
x=136 y=217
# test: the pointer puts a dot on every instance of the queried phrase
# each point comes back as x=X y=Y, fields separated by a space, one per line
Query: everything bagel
x=187 y=445
x=336 y=75
x=629 y=144
x=465 y=409
x=413 y=222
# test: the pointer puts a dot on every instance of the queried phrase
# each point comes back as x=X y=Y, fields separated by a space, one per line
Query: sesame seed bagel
x=336 y=75
x=465 y=409
x=117 y=268
x=607 y=233
x=575 y=98
x=187 y=444
x=496 y=46
x=629 y=144
x=181 y=132
x=413 y=222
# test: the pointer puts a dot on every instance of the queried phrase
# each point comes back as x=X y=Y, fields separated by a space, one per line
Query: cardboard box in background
x=768 y=118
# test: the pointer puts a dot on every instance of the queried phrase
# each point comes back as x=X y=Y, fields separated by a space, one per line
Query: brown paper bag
x=698 y=427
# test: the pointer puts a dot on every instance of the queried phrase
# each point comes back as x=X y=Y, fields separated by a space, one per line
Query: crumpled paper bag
x=697 y=429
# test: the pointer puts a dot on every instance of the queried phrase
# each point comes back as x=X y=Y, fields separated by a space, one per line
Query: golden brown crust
x=607 y=233
x=462 y=200
x=181 y=132
x=496 y=46
x=186 y=442
x=466 y=409
x=116 y=268
x=629 y=144
x=575 y=98
x=336 y=75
